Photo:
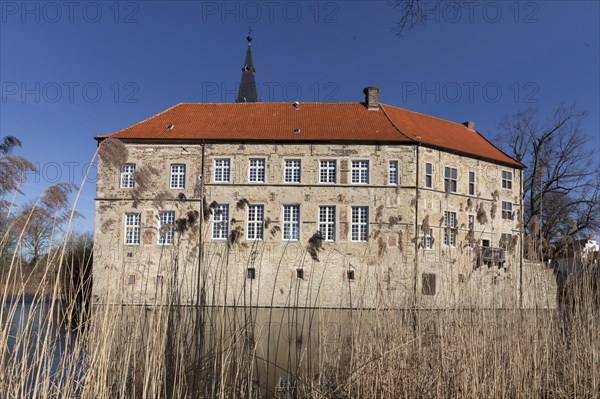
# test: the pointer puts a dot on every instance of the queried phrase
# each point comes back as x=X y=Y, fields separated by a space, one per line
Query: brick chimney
x=470 y=125
x=372 y=97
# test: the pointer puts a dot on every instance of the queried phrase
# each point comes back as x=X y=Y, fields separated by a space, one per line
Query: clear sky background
x=73 y=70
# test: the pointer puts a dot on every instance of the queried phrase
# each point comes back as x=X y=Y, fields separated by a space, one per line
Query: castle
x=333 y=205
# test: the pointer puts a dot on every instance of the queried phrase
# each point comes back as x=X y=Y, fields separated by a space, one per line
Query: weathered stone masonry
x=391 y=269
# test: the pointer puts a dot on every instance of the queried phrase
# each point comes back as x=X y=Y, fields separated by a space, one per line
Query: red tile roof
x=264 y=121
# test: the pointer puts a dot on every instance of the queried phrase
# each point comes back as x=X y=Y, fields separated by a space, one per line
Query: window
x=450 y=228
x=471 y=183
x=222 y=171
x=505 y=240
x=131 y=279
x=300 y=274
x=178 y=176
x=428 y=284
x=450 y=179
x=251 y=273
x=132 y=228
x=327 y=171
x=427 y=240
x=360 y=223
x=291 y=222
x=350 y=274
x=256 y=215
x=507 y=179
x=428 y=175
x=256 y=172
x=360 y=172
x=127 y=175
x=165 y=227
x=393 y=173
x=292 y=171
x=159 y=280
x=507 y=210
x=327 y=222
x=471 y=222
x=220 y=224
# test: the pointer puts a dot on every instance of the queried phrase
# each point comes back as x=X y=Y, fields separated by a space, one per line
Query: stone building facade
x=331 y=205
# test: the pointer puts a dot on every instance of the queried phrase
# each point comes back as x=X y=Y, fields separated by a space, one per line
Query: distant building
x=308 y=204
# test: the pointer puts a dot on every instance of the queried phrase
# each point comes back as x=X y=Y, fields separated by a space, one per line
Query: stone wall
x=388 y=270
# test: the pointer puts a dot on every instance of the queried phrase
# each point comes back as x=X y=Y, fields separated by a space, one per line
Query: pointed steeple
x=247 y=92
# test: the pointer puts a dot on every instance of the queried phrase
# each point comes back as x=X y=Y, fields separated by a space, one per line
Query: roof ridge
x=273 y=102
x=393 y=123
x=427 y=115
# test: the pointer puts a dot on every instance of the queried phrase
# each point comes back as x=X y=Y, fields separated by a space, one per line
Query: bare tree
x=42 y=220
x=417 y=12
x=561 y=182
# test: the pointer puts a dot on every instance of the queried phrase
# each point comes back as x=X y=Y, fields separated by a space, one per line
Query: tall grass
x=51 y=347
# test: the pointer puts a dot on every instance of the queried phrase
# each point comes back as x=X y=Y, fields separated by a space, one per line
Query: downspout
x=521 y=233
x=199 y=300
x=416 y=269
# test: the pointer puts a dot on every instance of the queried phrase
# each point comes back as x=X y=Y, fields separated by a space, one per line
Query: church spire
x=247 y=92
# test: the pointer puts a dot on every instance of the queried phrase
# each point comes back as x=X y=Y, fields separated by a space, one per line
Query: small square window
x=159 y=280
x=251 y=273
x=300 y=274
x=131 y=280
x=428 y=283
x=350 y=274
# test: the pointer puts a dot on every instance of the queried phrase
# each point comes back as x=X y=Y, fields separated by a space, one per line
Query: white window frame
x=359 y=223
x=428 y=175
x=220 y=222
x=471 y=222
x=128 y=176
x=291 y=222
x=427 y=240
x=450 y=228
x=450 y=179
x=222 y=170
x=507 y=210
x=359 y=170
x=472 y=178
x=255 y=224
x=177 y=179
x=257 y=170
x=393 y=173
x=291 y=170
x=507 y=179
x=165 y=235
x=328 y=171
x=327 y=222
x=132 y=229
x=505 y=238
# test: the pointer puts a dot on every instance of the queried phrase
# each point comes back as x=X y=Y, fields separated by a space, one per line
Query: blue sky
x=72 y=70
